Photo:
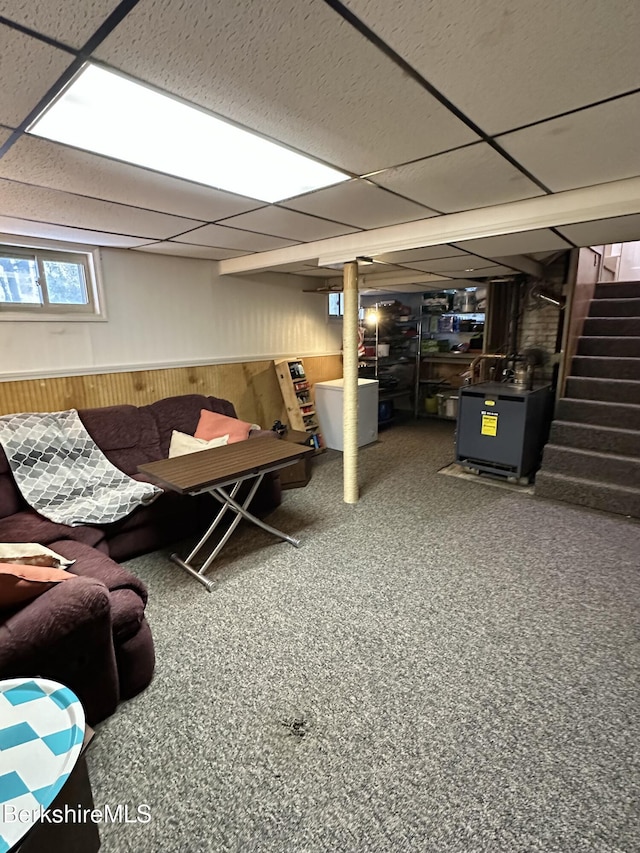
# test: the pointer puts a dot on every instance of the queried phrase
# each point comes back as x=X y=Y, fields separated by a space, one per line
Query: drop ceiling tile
x=466 y=272
x=485 y=272
x=428 y=253
x=508 y=64
x=593 y=146
x=54 y=207
x=360 y=203
x=293 y=70
x=29 y=68
x=48 y=164
x=463 y=262
x=5 y=133
x=221 y=236
x=468 y=178
x=46 y=231
x=71 y=22
x=288 y=224
x=187 y=250
x=540 y=256
x=382 y=267
x=397 y=288
x=523 y=243
x=618 y=229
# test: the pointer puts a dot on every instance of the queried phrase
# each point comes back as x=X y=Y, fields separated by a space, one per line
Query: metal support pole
x=350 y=380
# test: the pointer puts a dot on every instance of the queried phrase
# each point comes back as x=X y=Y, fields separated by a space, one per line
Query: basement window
x=47 y=283
x=336 y=306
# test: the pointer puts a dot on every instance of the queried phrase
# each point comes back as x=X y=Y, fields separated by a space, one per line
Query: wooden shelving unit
x=297 y=394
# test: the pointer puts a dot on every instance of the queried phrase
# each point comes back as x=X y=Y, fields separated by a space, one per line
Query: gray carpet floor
x=444 y=667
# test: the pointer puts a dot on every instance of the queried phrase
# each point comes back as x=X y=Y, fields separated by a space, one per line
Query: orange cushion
x=20 y=583
x=213 y=425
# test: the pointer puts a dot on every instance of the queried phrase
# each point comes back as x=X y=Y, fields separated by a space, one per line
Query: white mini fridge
x=329 y=407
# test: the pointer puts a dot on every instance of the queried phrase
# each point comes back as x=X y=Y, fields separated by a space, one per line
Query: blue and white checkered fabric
x=41 y=734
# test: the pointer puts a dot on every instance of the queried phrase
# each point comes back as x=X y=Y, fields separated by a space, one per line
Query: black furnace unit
x=502 y=428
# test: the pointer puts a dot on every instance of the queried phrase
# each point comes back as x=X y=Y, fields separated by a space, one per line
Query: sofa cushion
x=20 y=583
x=182 y=444
x=214 y=425
x=28 y=526
x=183 y=413
x=127 y=435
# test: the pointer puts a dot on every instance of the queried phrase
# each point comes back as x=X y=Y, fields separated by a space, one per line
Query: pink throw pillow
x=213 y=425
x=20 y=583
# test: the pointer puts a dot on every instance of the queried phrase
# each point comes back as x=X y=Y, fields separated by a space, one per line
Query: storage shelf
x=451 y=356
x=293 y=389
x=398 y=332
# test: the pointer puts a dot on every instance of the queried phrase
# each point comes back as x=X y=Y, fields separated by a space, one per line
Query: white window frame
x=49 y=250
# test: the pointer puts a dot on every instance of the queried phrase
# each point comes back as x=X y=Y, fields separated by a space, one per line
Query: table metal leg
x=203 y=580
x=227 y=499
x=216 y=521
x=242 y=511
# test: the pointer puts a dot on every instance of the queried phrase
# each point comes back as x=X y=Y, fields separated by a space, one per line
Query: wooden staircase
x=593 y=454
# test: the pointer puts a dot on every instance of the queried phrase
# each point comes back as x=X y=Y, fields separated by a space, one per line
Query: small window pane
x=335 y=305
x=65 y=283
x=19 y=281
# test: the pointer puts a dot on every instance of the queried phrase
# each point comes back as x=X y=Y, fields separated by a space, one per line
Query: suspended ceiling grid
x=433 y=108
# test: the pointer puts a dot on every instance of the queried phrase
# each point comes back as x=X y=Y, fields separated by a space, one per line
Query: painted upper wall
x=164 y=311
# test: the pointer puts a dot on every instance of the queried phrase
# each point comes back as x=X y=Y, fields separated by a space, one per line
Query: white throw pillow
x=33 y=554
x=181 y=443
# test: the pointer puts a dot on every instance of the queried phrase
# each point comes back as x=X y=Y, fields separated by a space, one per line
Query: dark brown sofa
x=90 y=633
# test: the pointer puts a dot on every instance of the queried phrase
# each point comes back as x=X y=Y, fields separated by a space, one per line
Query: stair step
x=611 y=326
x=620 y=415
x=625 y=442
x=629 y=307
x=592 y=465
x=622 y=346
x=605 y=367
x=617 y=290
x=575 y=490
x=608 y=390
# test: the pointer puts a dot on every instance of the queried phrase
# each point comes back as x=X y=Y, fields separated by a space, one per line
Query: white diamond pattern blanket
x=63 y=474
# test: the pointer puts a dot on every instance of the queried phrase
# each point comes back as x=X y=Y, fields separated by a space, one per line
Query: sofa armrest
x=90 y=563
x=65 y=635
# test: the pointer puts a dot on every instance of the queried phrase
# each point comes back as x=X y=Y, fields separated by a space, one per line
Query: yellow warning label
x=489 y=425
x=489 y=402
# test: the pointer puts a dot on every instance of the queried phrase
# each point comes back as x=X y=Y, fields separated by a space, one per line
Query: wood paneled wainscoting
x=252 y=387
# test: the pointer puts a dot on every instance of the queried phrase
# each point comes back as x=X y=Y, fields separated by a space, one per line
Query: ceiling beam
x=379 y=279
x=618 y=198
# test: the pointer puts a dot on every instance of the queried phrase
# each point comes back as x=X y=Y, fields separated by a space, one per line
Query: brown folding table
x=214 y=471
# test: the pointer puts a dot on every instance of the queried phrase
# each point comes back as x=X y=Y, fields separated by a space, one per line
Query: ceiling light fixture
x=108 y=114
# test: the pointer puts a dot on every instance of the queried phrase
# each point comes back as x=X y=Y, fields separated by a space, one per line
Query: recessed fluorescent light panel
x=111 y=115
